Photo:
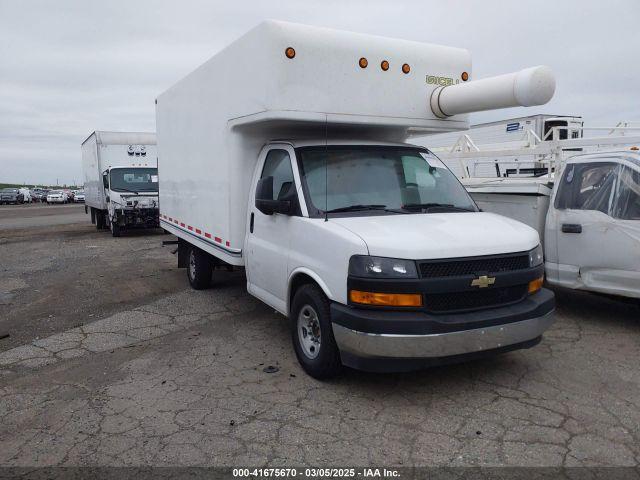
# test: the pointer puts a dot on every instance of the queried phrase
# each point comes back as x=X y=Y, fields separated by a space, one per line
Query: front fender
x=314 y=276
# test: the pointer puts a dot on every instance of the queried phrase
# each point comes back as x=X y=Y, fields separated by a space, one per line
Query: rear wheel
x=115 y=229
x=99 y=219
x=312 y=333
x=199 y=269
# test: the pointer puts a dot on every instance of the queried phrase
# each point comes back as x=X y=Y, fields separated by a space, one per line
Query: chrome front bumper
x=361 y=344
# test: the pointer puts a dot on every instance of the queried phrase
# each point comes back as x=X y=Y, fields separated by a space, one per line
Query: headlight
x=381 y=267
x=536 y=257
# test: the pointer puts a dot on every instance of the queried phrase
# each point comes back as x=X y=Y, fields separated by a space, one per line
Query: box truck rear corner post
x=121 y=180
x=286 y=154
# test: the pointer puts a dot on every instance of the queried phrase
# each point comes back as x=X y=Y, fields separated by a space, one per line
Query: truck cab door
x=594 y=227
x=268 y=235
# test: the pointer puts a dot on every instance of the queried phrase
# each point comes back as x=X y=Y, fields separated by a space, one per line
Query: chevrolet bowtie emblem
x=483 y=281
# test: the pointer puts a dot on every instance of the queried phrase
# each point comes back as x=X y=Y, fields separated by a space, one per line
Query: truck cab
x=592 y=231
x=131 y=193
x=382 y=260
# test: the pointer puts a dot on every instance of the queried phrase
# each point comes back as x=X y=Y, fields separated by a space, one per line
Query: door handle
x=571 y=228
x=251 y=223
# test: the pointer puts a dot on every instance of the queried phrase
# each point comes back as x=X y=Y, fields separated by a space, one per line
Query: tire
x=310 y=316
x=199 y=269
x=115 y=229
x=99 y=220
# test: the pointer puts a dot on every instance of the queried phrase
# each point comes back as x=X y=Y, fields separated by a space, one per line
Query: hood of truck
x=440 y=235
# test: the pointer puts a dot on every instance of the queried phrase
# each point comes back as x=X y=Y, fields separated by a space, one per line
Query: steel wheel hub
x=309 y=331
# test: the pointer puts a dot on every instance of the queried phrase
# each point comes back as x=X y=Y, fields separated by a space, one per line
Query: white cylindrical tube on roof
x=528 y=87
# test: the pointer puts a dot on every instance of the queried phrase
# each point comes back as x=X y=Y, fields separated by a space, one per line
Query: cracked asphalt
x=178 y=378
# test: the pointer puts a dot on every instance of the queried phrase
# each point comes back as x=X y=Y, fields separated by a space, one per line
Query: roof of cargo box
x=290 y=74
x=123 y=138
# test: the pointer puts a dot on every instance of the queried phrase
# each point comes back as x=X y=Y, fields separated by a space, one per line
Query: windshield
x=9 y=190
x=357 y=177
x=134 y=180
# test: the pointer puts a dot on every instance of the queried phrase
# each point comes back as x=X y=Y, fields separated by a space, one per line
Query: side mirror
x=264 y=198
x=105 y=180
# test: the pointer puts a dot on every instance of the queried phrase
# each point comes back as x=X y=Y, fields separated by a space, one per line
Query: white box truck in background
x=284 y=154
x=121 y=180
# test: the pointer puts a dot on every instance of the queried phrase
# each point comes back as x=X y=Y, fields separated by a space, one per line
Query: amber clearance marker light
x=535 y=285
x=290 y=52
x=386 y=299
x=464 y=76
x=406 y=68
x=363 y=62
x=384 y=65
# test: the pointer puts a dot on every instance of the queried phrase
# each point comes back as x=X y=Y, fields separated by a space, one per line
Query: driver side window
x=278 y=165
x=587 y=186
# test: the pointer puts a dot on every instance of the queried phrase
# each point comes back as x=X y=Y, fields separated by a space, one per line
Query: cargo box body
x=102 y=150
x=212 y=124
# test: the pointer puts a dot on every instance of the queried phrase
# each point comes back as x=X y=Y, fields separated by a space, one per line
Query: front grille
x=474 y=299
x=473 y=266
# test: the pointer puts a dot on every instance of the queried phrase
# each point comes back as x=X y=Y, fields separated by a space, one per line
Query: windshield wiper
x=428 y=206
x=355 y=208
x=359 y=208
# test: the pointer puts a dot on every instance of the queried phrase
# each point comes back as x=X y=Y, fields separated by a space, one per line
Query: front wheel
x=115 y=229
x=312 y=333
x=200 y=269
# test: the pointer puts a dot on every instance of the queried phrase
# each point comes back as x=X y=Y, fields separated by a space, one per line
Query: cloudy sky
x=70 y=67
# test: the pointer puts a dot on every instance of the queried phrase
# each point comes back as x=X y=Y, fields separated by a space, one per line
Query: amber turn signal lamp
x=464 y=76
x=290 y=52
x=363 y=62
x=406 y=68
x=384 y=65
x=386 y=299
x=535 y=285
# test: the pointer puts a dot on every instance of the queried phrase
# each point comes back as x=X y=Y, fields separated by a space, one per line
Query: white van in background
x=26 y=195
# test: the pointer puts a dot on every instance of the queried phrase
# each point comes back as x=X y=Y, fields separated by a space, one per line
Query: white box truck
x=121 y=180
x=284 y=154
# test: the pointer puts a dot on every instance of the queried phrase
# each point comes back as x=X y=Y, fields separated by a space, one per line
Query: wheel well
x=297 y=281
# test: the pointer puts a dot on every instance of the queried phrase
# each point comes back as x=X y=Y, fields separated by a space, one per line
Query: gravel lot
x=112 y=360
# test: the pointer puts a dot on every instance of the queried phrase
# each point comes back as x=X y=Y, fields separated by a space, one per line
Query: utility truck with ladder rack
x=286 y=154
x=583 y=197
